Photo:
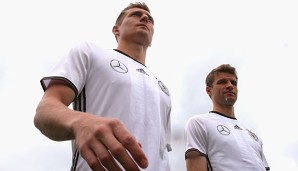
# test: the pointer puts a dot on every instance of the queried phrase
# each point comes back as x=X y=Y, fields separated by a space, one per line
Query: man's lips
x=143 y=25
x=229 y=93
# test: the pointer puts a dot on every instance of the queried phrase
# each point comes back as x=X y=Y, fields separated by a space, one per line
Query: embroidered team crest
x=163 y=88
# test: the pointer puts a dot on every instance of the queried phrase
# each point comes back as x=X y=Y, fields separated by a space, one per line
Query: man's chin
x=230 y=101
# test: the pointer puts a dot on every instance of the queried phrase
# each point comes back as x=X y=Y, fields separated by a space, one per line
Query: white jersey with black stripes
x=109 y=83
x=227 y=143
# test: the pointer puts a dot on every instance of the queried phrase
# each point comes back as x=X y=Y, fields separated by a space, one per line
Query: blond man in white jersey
x=121 y=116
x=217 y=141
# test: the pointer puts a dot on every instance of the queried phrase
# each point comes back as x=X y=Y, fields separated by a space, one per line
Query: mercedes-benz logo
x=118 y=66
x=223 y=130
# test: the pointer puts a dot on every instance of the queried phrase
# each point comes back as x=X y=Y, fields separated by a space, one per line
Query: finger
x=119 y=152
x=135 y=150
x=123 y=157
x=130 y=145
x=114 y=143
x=92 y=160
x=105 y=157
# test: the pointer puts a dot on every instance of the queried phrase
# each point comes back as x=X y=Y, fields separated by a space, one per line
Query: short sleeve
x=195 y=135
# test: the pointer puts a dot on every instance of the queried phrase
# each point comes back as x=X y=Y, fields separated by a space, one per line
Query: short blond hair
x=140 y=5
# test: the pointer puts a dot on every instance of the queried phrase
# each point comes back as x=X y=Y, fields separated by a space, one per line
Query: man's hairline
x=126 y=12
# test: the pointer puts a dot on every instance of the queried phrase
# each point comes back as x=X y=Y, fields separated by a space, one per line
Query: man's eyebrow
x=141 y=11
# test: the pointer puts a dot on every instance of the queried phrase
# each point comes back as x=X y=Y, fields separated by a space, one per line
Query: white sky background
x=258 y=37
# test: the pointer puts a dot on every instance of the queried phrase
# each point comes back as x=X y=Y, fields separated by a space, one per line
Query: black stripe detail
x=79 y=105
x=129 y=57
x=75 y=160
x=193 y=149
x=44 y=86
x=209 y=166
x=222 y=114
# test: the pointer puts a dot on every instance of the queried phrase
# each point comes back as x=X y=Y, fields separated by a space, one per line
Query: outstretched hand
x=105 y=144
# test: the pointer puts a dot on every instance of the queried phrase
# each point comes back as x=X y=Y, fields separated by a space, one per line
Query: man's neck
x=228 y=111
x=137 y=52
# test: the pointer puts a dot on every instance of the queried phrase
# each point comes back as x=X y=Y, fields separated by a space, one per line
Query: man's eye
x=221 y=82
x=138 y=14
x=234 y=83
x=151 y=20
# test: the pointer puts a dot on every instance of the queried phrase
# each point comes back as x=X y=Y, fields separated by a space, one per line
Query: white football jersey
x=225 y=142
x=109 y=83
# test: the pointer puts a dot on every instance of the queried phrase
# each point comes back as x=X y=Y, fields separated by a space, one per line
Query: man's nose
x=229 y=85
x=145 y=18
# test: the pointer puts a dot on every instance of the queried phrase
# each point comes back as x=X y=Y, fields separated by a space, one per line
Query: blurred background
x=258 y=37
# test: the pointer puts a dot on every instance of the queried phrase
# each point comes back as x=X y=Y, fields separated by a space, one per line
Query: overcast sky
x=258 y=37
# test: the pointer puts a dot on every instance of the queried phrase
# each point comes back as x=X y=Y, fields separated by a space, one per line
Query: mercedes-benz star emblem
x=118 y=66
x=223 y=130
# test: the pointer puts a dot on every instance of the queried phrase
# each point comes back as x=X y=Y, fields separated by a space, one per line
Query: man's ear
x=115 y=32
x=208 y=91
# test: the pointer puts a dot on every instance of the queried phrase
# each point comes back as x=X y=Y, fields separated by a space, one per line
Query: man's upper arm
x=60 y=90
x=195 y=161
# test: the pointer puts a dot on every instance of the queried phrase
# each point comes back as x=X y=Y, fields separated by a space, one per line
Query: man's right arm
x=98 y=139
x=53 y=117
x=195 y=161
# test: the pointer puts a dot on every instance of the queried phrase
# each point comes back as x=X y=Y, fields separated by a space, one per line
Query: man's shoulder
x=198 y=117
x=88 y=45
x=201 y=115
x=203 y=119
